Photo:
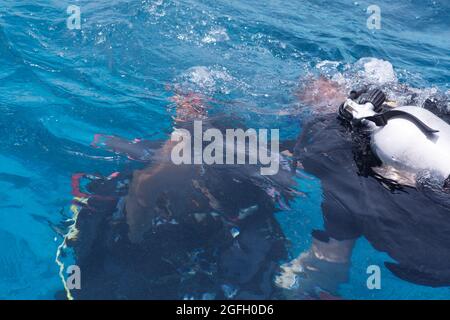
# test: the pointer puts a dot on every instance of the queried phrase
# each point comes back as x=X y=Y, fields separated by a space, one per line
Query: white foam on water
x=366 y=71
x=155 y=8
x=373 y=72
x=206 y=80
x=217 y=34
x=378 y=71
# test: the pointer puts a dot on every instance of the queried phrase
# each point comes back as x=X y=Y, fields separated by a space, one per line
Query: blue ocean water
x=59 y=87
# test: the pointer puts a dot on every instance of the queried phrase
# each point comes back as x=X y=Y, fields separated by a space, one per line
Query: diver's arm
x=138 y=150
x=138 y=201
x=189 y=107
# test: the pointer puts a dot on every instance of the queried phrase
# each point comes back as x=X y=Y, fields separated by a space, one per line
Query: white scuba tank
x=402 y=144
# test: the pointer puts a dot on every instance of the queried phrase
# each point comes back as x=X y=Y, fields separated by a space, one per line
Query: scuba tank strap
x=382 y=119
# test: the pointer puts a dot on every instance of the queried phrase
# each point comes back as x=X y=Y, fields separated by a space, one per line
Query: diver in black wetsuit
x=411 y=224
x=177 y=231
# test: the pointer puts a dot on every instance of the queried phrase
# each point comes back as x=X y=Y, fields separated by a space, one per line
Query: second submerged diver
x=177 y=231
x=384 y=173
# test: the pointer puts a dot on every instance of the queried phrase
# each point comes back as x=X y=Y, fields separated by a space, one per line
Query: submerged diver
x=385 y=176
x=176 y=231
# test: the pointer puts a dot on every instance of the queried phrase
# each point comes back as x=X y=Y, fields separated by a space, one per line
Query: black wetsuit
x=218 y=239
x=405 y=222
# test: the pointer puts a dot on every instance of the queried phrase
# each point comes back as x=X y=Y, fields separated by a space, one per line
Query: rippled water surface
x=59 y=87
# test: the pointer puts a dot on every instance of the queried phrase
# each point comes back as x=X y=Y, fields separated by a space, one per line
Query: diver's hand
x=292 y=279
x=309 y=277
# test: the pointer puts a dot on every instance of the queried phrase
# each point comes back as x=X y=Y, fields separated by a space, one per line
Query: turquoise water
x=117 y=73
